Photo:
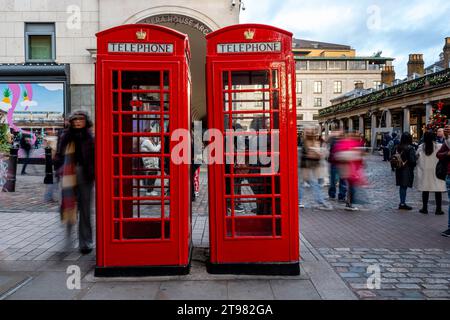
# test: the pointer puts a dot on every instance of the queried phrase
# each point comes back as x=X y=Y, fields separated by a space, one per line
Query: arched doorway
x=196 y=30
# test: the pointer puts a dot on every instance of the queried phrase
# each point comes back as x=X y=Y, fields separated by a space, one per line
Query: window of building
x=357 y=65
x=300 y=117
x=317 y=86
x=317 y=102
x=337 y=65
x=301 y=65
x=318 y=65
x=299 y=87
x=338 y=87
x=299 y=102
x=40 y=42
x=373 y=66
x=315 y=117
x=376 y=84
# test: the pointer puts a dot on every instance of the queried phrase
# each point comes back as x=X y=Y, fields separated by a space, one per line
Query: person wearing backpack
x=427 y=180
x=404 y=162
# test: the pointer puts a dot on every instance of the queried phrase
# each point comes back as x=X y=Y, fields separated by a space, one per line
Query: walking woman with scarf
x=75 y=164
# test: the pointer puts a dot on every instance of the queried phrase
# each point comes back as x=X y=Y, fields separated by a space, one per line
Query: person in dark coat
x=405 y=175
x=444 y=155
x=75 y=162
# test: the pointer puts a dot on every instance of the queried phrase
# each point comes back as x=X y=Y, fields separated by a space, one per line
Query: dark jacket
x=442 y=154
x=87 y=152
x=405 y=176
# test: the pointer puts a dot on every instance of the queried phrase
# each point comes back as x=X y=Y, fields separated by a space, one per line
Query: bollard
x=48 y=166
x=10 y=185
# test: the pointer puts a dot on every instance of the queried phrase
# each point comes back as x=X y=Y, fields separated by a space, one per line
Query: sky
x=47 y=97
x=397 y=28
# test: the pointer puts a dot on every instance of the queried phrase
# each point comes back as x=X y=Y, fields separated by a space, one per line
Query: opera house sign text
x=176 y=18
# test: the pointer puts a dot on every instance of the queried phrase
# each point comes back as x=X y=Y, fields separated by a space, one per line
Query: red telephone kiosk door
x=143 y=199
x=253 y=193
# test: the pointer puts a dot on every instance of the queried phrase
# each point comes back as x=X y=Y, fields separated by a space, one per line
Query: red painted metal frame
x=174 y=249
x=276 y=247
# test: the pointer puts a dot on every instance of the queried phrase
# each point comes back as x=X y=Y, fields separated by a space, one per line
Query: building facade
x=405 y=106
x=62 y=32
x=325 y=71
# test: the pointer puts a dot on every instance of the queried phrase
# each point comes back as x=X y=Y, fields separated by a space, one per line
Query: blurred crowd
x=337 y=162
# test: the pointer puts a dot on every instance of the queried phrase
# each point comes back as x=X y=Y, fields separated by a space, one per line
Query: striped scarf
x=69 y=184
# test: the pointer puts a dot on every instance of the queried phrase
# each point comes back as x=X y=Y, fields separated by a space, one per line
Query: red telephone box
x=143 y=199
x=253 y=204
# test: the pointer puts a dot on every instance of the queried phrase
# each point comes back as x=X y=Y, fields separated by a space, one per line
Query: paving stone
x=436 y=281
x=366 y=294
x=250 y=290
x=410 y=280
x=397 y=270
x=390 y=293
x=435 y=286
x=123 y=291
x=437 y=293
x=393 y=275
x=294 y=290
x=349 y=275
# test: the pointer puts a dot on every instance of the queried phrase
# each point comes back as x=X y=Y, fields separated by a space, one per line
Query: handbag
x=441 y=169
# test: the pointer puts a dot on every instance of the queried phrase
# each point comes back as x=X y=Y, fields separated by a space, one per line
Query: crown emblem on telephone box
x=249 y=34
x=141 y=35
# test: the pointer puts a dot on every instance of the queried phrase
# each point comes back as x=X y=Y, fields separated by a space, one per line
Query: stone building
x=326 y=71
x=405 y=106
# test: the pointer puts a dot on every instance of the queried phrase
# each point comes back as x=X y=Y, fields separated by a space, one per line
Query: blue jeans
x=316 y=188
x=403 y=195
x=448 y=192
x=334 y=177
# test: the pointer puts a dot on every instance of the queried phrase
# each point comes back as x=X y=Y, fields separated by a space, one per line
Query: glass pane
x=250 y=101
x=275 y=79
x=139 y=123
x=153 y=186
x=225 y=80
x=250 y=80
x=250 y=122
x=115 y=80
x=40 y=47
x=141 y=80
x=148 y=102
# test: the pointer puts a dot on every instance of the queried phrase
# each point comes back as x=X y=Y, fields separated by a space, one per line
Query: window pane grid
x=133 y=199
x=233 y=199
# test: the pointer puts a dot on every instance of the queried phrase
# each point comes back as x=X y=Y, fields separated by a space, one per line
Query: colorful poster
x=33 y=109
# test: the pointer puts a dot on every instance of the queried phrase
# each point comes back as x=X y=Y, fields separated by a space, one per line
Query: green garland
x=433 y=80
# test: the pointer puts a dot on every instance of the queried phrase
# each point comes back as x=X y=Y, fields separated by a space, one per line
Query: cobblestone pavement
x=412 y=257
x=404 y=274
x=407 y=247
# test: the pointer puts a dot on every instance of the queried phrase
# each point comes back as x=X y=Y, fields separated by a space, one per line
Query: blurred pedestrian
x=51 y=141
x=426 y=180
x=311 y=156
x=75 y=161
x=349 y=159
x=384 y=146
x=444 y=155
x=334 y=173
x=392 y=145
x=26 y=145
x=404 y=162
x=440 y=136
